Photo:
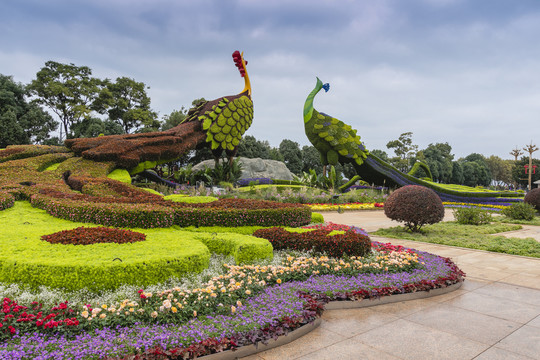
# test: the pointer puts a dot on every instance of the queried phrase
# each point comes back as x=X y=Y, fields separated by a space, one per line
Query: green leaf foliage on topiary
x=121 y=175
x=415 y=206
x=190 y=199
x=472 y=216
x=520 y=211
x=533 y=198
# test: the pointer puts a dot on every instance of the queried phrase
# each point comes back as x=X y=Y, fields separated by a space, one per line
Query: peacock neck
x=308 y=106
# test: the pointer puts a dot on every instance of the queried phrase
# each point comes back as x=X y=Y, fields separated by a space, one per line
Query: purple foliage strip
x=264 y=310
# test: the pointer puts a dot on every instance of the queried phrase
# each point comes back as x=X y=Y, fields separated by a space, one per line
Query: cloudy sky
x=466 y=72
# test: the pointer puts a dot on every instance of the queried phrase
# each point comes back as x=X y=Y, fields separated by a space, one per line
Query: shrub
x=317 y=218
x=415 y=206
x=6 y=200
x=93 y=235
x=351 y=243
x=472 y=216
x=520 y=211
x=533 y=198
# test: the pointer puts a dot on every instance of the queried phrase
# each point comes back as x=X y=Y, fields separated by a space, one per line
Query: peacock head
x=320 y=85
x=241 y=65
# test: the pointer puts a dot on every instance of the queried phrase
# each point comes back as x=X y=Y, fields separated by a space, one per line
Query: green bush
x=244 y=248
x=520 y=211
x=6 y=200
x=472 y=216
x=533 y=198
x=415 y=206
x=317 y=218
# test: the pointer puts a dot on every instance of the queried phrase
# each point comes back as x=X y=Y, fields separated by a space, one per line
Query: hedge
x=28 y=260
x=6 y=200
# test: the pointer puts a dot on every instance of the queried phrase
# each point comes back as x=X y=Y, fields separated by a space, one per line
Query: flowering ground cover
x=496 y=206
x=348 y=206
x=248 y=303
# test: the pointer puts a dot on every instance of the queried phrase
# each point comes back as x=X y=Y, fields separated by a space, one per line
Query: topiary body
x=415 y=206
x=533 y=198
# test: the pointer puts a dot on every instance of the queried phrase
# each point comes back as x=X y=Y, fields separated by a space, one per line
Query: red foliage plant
x=351 y=242
x=533 y=198
x=93 y=235
x=415 y=206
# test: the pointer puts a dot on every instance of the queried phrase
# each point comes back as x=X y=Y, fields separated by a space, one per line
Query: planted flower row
x=348 y=206
x=279 y=307
x=6 y=200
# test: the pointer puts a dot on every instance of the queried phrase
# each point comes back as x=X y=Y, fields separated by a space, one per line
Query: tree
x=381 y=154
x=92 y=127
x=126 y=102
x=518 y=171
x=501 y=170
x=457 y=173
x=311 y=159
x=439 y=159
x=475 y=170
x=67 y=90
x=21 y=122
x=175 y=118
x=252 y=148
x=292 y=155
x=404 y=151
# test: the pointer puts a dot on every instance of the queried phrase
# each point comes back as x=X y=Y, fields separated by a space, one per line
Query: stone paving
x=494 y=315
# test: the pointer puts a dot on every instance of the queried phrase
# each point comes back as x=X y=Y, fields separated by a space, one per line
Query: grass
x=505 y=219
x=469 y=236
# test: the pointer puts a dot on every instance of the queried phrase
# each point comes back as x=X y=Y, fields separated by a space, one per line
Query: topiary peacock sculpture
x=218 y=124
x=338 y=142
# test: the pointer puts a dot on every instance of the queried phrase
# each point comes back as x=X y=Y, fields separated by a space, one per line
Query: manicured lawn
x=469 y=236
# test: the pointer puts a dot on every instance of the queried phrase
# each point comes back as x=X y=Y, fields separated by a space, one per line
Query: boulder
x=255 y=168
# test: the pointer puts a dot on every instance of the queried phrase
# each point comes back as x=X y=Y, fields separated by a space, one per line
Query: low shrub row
x=224 y=212
x=350 y=243
x=6 y=200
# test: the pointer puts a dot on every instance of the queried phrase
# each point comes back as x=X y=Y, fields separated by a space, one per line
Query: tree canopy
x=404 y=149
x=21 y=122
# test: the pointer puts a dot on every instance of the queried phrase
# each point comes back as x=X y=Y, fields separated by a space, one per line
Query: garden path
x=494 y=315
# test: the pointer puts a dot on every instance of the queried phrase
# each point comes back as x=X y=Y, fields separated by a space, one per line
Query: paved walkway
x=494 y=315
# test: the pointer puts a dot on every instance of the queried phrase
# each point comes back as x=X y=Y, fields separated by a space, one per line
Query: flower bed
x=496 y=206
x=348 y=206
x=6 y=200
x=274 y=302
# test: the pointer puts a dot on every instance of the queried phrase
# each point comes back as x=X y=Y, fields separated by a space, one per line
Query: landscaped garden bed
x=197 y=282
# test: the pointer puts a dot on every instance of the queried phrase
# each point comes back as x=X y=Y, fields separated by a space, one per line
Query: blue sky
x=466 y=72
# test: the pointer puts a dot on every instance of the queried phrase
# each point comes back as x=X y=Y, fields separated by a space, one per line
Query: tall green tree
x=311 y=159
x=173 y=119
x=475 y=170
x=292 y=155
x=21 y=122
x=404 y=149
x=501 y=170
x=93 y=127
x=439 y=159
x=67 y=90
x=381 y=154
x=457 y=173
x=252 y=148
x=518 y=171
x=127 y=102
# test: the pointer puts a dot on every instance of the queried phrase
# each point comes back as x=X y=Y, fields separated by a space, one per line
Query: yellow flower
x=102 y=316
x=233 y=309
x=131 y=309
x=248 y=292
x=84 y=314
x=104 y=306
x=154 y=314
x=194 y=313
x=278 y=281
x=173 y=309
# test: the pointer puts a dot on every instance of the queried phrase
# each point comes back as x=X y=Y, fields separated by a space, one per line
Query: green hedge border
x=26 y=259
x=152 y=216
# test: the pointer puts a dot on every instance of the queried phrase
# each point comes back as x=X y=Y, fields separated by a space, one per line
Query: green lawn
x=469 y=236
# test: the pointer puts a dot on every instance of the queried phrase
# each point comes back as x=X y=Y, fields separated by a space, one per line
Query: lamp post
x=516 y=153
x=530 y=149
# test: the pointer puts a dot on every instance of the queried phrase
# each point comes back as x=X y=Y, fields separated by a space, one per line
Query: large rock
x=256 y=168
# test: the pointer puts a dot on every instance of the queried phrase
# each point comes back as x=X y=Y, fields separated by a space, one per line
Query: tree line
x=87 y=106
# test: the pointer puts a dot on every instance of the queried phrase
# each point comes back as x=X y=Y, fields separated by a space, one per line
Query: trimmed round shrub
x=317 y=218
x=414 y=205
x=520 y=211
x=533 y=198
x=93 y=235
